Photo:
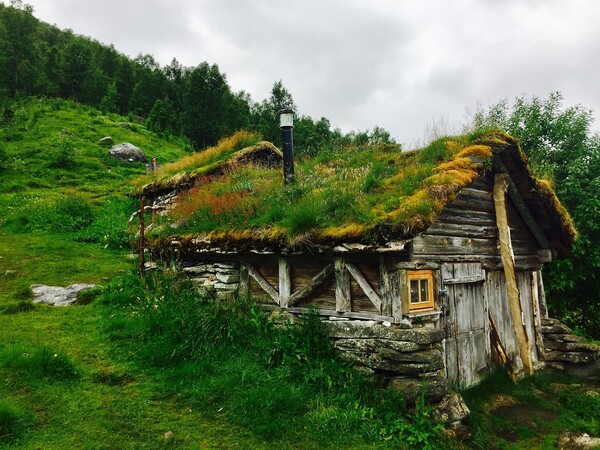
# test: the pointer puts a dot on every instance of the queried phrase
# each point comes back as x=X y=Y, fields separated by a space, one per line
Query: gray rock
x=370 y=329
x=451 y=410
x=571 y=346
x=127 y=152
x=434 y=390
x=106 y=141
x=56 y=295
x=553 y=326
x=572 y=357
x=571 y=440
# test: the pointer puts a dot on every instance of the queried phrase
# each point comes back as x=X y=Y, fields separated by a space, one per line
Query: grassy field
x=151 y=365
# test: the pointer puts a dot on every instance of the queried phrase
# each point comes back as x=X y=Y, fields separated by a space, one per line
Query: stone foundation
x=565 y=351
x=219 y=279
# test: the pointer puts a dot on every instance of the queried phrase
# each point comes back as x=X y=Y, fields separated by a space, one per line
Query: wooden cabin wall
x=466 y=231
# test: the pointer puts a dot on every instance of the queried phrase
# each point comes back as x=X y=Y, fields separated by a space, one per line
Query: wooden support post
x=343 y=299
x=244 y=287
x=537 y=324
x=285 y=282
x=142 y=239
x=264 y=284
x=508 y=263
x=365 y=285
x=386 y=290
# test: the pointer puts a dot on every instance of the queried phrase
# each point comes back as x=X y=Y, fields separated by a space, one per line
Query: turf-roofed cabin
x=423 y=264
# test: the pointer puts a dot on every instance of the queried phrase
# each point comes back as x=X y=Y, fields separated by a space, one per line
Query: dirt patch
x=521 y=416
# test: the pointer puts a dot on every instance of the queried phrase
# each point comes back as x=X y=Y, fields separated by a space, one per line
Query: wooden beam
x=343 y=296
x=497 y=345
x=285 y=283
x=515 y=196
x=244 y=287
x=313 y=284
x=508 y=263
x=364 y=285
x=264 y=284
x=386 y=286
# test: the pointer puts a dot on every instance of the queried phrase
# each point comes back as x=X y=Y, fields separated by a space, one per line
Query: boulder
x=56 y=295
x=127 y=152
x=434 y=389
x=106 y=141
x=451 y=410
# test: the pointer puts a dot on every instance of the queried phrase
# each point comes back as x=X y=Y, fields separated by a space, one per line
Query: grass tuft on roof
x=358 y=194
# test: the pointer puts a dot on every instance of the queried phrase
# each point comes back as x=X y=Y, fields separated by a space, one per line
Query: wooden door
x=467 y=347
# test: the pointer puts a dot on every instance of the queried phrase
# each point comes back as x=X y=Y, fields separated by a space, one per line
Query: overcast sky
x=398 y=64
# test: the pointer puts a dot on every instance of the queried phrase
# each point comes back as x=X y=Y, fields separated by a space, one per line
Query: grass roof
x=366 y=195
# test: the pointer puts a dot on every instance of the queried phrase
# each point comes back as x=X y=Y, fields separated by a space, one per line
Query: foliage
x=269 y=374
x=349 y=194
x=559 y=144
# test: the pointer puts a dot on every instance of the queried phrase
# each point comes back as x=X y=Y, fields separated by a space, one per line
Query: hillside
x=62 y=197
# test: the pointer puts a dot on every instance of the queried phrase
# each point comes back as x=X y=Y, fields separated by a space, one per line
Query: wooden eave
x=540 y=216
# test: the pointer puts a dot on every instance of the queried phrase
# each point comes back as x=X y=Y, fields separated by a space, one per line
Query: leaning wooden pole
x=508 y=263
x=142 y=238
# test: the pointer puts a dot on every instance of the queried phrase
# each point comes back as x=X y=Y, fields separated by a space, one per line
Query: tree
x=265 y=116
x=559 y=145
x=205 y=105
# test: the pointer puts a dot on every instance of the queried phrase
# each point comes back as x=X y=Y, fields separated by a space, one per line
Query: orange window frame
x=424 y=293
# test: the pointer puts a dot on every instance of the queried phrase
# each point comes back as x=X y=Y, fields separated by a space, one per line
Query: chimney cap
x=286 y=118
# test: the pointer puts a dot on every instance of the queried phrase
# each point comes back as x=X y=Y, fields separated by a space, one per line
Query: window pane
x=424 y=291
x=414 y=291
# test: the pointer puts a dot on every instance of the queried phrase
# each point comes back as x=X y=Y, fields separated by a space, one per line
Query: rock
x=127 y=152
x=571 y=346
x=56 y=295
x=228 y=278
x=106 y=141
x=571 y=440
x=553 y=326
x=125 y=125
x=451 y=410
x=572 y=357
x=435 y=390
x=370 y=329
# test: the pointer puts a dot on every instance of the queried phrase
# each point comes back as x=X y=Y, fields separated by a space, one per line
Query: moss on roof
x=365 y=195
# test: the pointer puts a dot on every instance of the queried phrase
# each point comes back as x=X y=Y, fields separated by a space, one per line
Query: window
x=420 y=290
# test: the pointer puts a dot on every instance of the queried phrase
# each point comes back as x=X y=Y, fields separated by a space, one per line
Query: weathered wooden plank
x=472 y=203
x=501 y=182
x=330 y=312
x=522 y=262
x=542 y=296
x=462 y=216
x=515 y=195
x=285 y=282
x=343 y=299
x=364 y=285
x=244 y=287
x=471 y=191
x=314 y=283
x=463 y=230
x=449 y=245
x=385 y=286
x=265 y=286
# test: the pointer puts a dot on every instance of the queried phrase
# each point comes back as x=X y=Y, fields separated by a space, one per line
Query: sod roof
x=236 y=199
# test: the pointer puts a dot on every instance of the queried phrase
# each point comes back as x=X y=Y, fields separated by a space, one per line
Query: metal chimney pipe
x=286 y=123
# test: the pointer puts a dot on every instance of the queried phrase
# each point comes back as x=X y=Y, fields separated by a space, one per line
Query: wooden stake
x=142 y=244
x=508 y=263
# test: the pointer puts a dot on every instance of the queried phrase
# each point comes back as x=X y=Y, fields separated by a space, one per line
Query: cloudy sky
x=399 y=64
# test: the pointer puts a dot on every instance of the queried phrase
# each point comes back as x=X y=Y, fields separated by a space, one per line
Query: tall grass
x=277 y=378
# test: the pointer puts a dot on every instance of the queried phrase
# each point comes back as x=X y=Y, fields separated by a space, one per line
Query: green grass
x=151 y=365
x=533 y=412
